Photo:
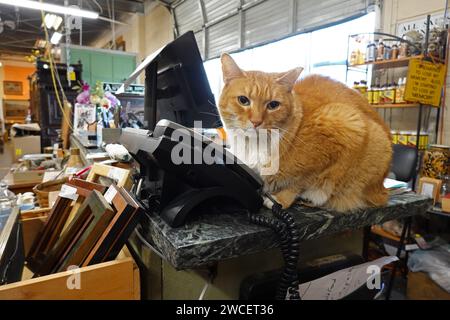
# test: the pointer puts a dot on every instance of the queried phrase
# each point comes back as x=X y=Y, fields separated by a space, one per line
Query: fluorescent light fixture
x=51 y=8
x=52 y=21
x=56 y=37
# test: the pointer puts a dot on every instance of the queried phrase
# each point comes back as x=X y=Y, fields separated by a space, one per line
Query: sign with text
x=424 y=82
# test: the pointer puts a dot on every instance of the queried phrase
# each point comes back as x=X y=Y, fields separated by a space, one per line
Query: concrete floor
x=6 y=158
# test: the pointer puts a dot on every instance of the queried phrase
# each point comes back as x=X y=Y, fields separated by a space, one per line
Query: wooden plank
x=114 y=280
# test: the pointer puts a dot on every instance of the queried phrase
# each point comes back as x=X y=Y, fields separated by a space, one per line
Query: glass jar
x=445 y=189
x=7 y=198
x=436 y=161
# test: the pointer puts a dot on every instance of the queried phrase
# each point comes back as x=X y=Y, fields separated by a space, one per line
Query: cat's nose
x=256 y=123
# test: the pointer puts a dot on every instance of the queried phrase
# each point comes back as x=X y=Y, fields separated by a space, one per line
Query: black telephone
x=181 y=187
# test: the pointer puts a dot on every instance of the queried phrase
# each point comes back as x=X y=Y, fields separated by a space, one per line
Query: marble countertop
x=214 y=237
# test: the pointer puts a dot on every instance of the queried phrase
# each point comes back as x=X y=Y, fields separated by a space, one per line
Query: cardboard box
x=26 y=145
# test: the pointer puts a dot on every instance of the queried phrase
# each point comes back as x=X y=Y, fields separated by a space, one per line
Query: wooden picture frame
x=59 y=217
x=47 y=237
x=128 y=213
x=75 y=243
x=121 y=177
x=430 y=187
x=14 y=88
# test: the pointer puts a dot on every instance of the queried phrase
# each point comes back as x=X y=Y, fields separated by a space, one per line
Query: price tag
x=116 y=174
x=110 y=194
x=68 y=192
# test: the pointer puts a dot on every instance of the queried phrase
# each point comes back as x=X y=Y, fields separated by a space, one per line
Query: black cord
x=285 y=227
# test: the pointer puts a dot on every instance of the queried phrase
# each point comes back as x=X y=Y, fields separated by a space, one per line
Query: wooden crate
x=113 y=280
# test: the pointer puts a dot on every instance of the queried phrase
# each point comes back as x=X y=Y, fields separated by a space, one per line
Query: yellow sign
x=424 y=82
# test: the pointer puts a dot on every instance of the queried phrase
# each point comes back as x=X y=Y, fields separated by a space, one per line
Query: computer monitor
x=176 y=86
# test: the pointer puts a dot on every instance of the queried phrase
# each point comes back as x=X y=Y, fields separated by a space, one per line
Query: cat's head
x=252 y=99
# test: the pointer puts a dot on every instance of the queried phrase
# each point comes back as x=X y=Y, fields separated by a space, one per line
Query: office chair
x=404 y=167
x=404 y=162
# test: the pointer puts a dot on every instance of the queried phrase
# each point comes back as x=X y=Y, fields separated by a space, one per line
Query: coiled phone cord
x=284 y=226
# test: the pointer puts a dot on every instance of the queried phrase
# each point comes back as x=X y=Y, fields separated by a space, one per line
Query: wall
x=145 y=33
x=16 y=73
x=398 y=11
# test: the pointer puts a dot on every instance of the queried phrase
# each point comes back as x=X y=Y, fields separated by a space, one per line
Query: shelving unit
x=397 y=63
x=393 y=63
x=396 y=105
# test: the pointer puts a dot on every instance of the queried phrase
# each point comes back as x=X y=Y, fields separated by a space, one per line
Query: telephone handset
x=172 y=157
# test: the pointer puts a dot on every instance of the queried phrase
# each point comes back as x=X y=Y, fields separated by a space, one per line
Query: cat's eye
x=272 y=105
x=244 y=100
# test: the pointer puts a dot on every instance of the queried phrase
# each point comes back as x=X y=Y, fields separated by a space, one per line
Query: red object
x=84 y=170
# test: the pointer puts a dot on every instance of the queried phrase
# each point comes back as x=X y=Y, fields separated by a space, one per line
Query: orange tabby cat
x=334 y=149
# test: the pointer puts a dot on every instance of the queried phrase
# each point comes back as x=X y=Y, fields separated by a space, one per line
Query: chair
x=404 y=167
x=404 y=162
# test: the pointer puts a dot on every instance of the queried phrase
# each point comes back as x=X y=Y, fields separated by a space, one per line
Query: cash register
x=177 y=97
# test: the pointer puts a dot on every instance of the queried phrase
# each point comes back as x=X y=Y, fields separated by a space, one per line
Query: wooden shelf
x=396 y=105
x=395 y=63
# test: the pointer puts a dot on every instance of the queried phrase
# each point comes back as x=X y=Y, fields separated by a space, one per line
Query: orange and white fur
x=334 y=150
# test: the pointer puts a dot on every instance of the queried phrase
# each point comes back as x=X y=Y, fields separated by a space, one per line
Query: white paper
x=51 y=175
x=116 y=174
x=110 y=194
x=343 y=282
x=68 y=192
x=427 y=189
x=391 y=183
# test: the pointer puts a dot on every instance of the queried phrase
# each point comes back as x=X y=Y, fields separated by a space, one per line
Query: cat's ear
x=230 y=69
x=289 y=78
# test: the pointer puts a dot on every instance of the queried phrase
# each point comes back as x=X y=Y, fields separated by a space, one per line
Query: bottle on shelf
x=399 y=92
x=389 y=94
x=380 y=50
x=363 y=88
x=376 y=94
x=370 y=95
x=403 y=50
x=371 y=52
x=387 y=53
x=394 y=51
x=353 y=58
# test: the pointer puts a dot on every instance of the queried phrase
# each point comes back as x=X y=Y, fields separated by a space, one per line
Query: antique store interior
x=92 y=206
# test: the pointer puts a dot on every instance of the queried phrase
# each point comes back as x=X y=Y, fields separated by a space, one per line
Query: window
x=323 y=52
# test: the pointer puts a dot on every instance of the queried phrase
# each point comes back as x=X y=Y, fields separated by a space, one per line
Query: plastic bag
x=435 y=262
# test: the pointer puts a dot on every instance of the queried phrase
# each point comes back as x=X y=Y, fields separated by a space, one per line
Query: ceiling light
x=56 y=37
x=52 y=21
x=51 y=8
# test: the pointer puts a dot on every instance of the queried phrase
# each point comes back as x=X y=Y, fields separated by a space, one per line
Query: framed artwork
x=430 y=187
x=13 y=87
x=84 y=115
